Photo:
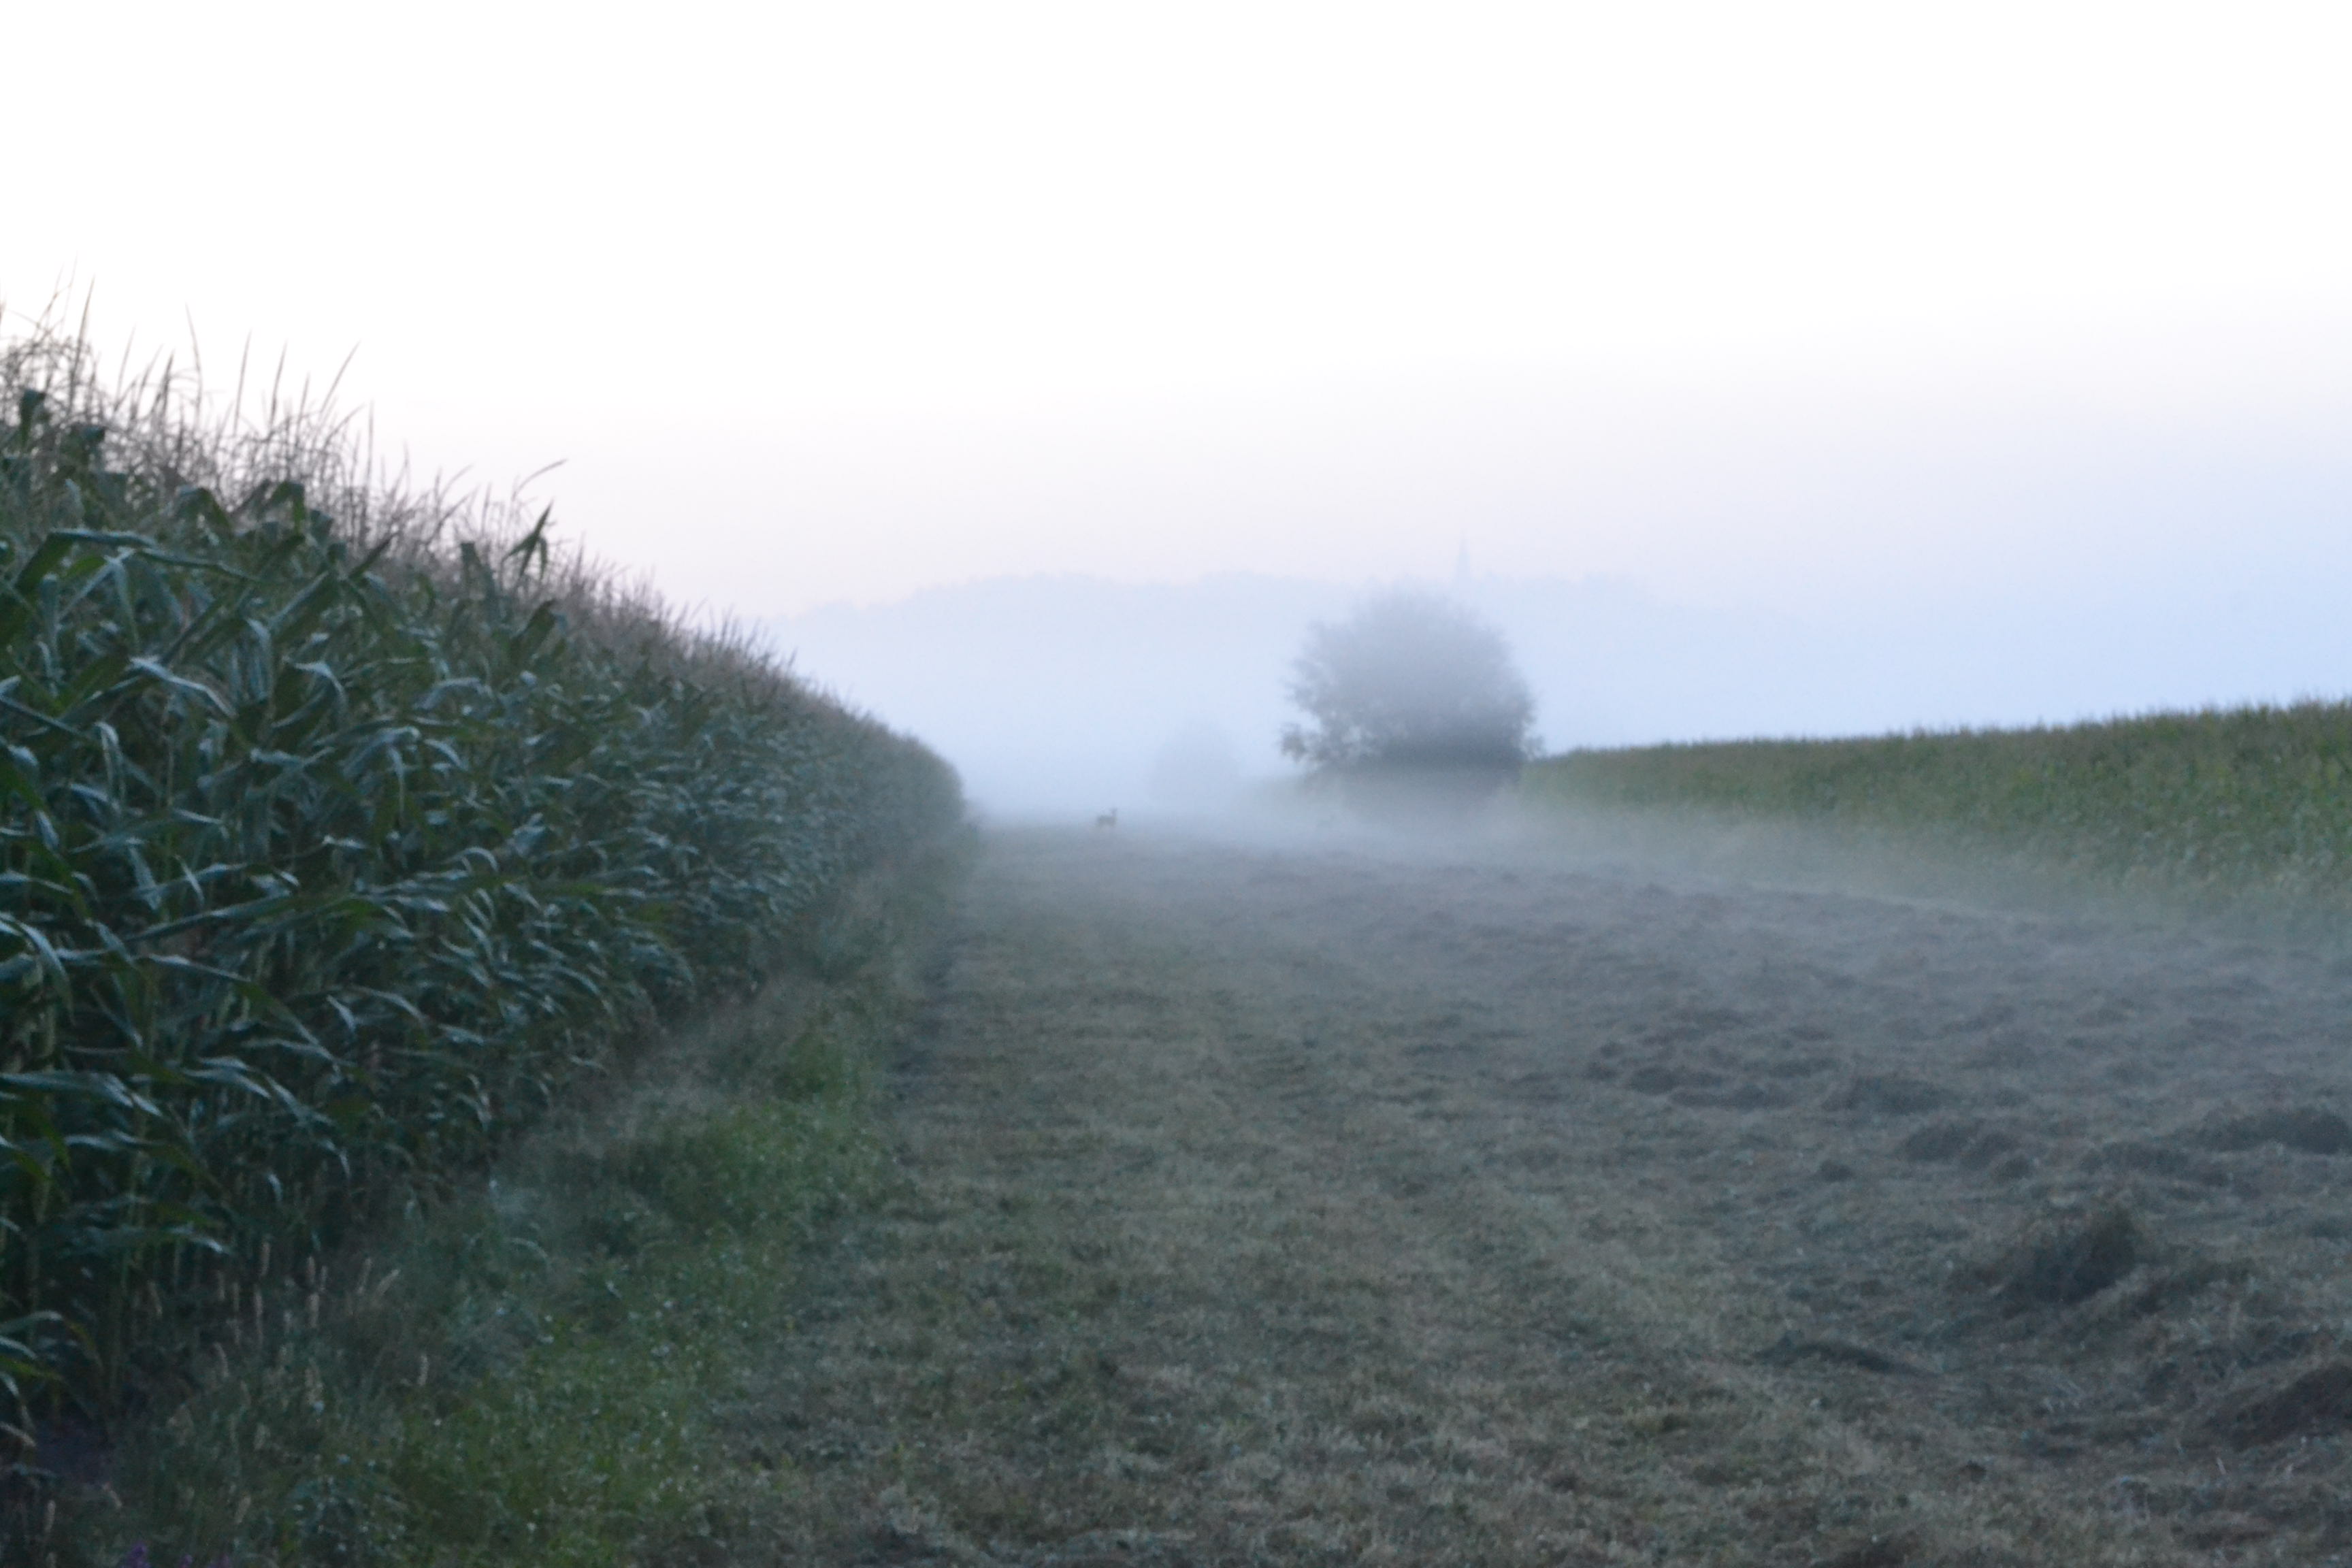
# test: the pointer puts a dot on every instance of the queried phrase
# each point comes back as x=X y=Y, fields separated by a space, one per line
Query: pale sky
x=1741 y=303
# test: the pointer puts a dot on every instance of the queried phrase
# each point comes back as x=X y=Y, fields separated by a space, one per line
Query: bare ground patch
x=1264 y=1206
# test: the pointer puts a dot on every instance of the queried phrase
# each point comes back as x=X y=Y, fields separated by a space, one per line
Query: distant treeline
x=341 y=826
x=2220 y=803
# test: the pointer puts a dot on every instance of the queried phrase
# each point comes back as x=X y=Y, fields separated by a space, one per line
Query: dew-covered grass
x=542 y=1370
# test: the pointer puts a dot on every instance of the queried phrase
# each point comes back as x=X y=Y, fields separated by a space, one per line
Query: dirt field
x=1329 y=1204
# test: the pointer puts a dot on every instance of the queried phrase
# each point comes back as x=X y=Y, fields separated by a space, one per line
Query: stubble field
x=1332 y=1203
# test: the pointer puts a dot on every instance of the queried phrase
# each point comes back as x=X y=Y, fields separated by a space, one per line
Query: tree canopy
x=1411 y=680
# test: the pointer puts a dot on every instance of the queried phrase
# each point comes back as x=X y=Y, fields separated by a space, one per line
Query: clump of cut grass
x=2065 y=1258
x=343 y=828
x=2219 y=804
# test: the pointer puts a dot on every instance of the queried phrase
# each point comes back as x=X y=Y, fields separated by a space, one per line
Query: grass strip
x=540 y=1372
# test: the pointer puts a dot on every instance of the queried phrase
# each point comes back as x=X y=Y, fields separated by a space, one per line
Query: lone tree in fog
x=1410 y=682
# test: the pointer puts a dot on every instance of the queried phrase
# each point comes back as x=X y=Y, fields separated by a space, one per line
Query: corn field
x=2218 y=804
x=338 y=830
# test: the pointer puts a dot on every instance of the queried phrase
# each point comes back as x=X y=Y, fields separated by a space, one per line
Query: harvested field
x=1333 y=1205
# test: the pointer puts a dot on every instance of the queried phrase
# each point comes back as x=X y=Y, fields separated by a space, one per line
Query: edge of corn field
x=350 y=833
x=2240 y=814
x=538 y=1369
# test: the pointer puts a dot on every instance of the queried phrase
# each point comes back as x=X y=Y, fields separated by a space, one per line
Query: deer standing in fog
x=1107 y=819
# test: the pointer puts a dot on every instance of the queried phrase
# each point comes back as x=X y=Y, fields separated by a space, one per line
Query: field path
x=1333 y=1205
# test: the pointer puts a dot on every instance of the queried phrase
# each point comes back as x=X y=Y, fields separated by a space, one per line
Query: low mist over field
x=1057 y=695
x=655 y=674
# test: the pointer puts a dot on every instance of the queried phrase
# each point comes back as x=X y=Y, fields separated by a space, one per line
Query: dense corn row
x=328 y=854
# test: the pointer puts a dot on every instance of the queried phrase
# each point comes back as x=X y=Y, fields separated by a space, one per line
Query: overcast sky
x=1789 y=304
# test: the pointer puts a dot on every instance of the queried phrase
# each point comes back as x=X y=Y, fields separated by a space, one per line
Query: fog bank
x=1064 y=695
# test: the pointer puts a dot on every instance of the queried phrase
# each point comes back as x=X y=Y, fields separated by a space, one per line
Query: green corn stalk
x=329 y=854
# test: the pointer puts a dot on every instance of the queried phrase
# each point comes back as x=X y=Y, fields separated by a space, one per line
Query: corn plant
x=331 y=850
